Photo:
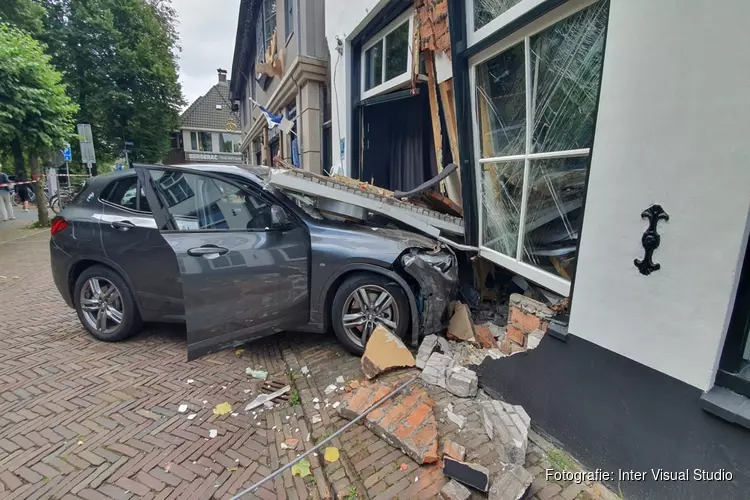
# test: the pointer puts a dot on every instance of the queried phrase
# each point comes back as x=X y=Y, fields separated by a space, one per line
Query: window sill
x=727 y=405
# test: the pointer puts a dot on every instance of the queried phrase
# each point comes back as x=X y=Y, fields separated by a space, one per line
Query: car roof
x=255 y=171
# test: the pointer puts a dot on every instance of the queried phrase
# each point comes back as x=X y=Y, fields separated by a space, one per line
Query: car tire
x=122 y=302
x=396 y=313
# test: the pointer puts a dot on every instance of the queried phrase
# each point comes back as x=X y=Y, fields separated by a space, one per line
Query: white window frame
x=548 y=280
x=396 y=81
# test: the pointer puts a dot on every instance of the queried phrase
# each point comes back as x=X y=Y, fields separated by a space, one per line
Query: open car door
x=242 y=257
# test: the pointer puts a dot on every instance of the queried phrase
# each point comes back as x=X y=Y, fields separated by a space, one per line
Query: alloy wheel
x=101 y=304
x=366 y=307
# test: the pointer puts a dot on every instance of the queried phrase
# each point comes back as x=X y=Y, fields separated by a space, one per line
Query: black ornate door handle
x=650 y=239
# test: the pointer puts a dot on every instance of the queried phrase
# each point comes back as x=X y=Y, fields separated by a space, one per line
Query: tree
x=25 y=14
x=36 y=115
x=119 y=59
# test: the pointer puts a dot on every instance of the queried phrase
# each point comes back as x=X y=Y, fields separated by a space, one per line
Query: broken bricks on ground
x=407 y=420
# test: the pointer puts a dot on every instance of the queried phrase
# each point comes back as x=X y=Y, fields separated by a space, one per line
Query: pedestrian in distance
x=23 y=193
x=6 y=204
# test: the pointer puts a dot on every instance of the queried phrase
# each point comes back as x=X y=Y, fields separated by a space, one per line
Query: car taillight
x=58 y=224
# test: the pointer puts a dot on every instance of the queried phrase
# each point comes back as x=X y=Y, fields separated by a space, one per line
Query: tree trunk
x=41 y=201
x=17 y=151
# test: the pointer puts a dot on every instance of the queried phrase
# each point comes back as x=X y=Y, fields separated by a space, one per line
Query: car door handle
x=123 y=225
x=207 y=250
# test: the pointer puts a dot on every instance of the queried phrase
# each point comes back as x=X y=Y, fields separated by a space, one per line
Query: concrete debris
x=262 y=399
x=436 y=368
x=259 y=374
x=453 y=490
x=485 y=337
x=470 y=474
x=534 y=339
x=340 y=379
x=316 y=418
x=384 y=351
x=445 y=346
x=331 y=388
x=406 y=421
x=425 y=350
x=182 y=408
x=461 y=326
x=510 y=484
x=461 y=382
x=495 y=353
x=457 y=419
x=213 y=433
x=305 y=371
x=508 y=428
x=468 y=354
x=454 y=450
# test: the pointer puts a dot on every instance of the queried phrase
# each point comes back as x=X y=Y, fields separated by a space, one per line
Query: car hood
x=401 y=238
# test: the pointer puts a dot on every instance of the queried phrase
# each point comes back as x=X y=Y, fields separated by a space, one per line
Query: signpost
x=128 y=145
x=87 y=145
x=68 y=155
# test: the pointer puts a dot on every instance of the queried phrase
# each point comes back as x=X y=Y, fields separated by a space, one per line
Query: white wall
x=344 y=18
x=674 y=129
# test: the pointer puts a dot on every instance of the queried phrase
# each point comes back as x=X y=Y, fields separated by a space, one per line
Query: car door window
x=199 y=202
x=126 y=193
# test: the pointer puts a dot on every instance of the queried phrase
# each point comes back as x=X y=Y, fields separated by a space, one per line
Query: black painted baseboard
x=613 y=413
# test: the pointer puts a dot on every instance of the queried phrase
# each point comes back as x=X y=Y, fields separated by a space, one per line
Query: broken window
x=387 y=56
x=487 y=10
x=535 y=103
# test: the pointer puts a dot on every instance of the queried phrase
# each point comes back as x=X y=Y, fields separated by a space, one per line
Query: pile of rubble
x=407 y=420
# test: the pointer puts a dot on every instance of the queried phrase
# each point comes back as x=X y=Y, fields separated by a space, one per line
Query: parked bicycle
x=64 y=195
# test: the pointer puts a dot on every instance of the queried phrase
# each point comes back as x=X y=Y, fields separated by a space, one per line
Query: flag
x=275 y=120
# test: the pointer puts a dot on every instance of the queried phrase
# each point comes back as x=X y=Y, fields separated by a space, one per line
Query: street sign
x=67 y=154
x=87 y=143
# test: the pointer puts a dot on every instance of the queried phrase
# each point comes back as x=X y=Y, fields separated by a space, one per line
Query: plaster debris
x=340 y=379
x=191 y=416
x=316 y=406
x=425 y=350
x=330 y=389
x=470 y=474
x=305 y=371
x=268 y=405
x=262 y=399
x=190 y=381
x=385 y=351
x=259 y=374
x=461 y=326
x=453 y=490
x=534 y=339
x=335 y=405
x=461 y=382
x=315 y=419
x=213 y=433
x=315 y=400
x=182 y=408
x=510 y=484
x=457 y=419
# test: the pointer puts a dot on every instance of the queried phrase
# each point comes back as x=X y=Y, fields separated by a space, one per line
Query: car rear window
x=124 y=193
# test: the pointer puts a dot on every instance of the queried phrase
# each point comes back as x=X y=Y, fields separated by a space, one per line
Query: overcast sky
x=207 y=31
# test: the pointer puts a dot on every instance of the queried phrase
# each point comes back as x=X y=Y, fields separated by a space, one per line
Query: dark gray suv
x=215 y=247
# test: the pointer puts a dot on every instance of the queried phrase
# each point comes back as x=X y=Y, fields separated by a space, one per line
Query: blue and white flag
x=275 y=120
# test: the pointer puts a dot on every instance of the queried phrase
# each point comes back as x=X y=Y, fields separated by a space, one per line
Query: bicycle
x=59 y=200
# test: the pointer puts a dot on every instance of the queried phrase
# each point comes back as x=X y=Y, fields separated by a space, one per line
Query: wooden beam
x=453 y=182
x=437 y=135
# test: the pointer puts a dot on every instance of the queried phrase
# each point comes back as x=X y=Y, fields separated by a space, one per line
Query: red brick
x=484 y=336
x=358 y=399
x=395 y=414
x=524 y=321
x=516 y=335
x=419 y=415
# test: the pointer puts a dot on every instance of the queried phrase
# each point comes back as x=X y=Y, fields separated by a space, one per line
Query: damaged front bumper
x=436 y=273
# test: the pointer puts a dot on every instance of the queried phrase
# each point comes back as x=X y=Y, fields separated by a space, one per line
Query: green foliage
x=294 y=398
x=351 y=493
x=119 y=60
x=35 y=111
x=24 y=14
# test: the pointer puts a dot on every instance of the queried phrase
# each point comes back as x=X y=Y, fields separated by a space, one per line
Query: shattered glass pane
x=374 y=66
x=554 y=213
x=566 y=62
x=397 y=51
x=501 y=104
x=502 y=186
x=487 y=10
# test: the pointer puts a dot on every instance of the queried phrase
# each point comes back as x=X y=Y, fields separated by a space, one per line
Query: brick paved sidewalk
x=92 y=420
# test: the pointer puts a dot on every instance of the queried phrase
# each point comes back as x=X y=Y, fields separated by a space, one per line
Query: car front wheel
x=361 y=303
x=105 y=305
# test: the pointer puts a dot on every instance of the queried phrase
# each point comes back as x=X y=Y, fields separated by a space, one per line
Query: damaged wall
x=672 y=129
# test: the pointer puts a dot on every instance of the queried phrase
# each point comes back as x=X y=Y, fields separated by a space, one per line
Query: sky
x=207 y=30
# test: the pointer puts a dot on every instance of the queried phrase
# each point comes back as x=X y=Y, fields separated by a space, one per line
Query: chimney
x=222 y=75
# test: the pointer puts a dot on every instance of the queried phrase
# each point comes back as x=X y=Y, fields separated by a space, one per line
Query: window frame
x=193 y=140
x=246 y=186
x=522 y=8
x=516 y=264
x=138 y=196
x=380 y=37
x=288 y=19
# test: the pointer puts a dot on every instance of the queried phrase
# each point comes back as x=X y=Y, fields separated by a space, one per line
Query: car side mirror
x=279 y=217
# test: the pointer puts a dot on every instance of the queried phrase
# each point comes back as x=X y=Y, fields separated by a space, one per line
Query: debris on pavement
x=301 y=468
x=436 y=369
x=385 y=351
x=403 y=467
x=340 y=379
x=238 y=352
x=457 y=419
x=461 y=382
x=453 y=490
x=508 y=428
x=260 y=374
x=262 y=399
x=527 y=318
x=454 y=450
x=316 y=419
x=330 y=389
x=305 y=371
x=470 y=474
x=461 y=326
x=182 y=408
x=190 y=381
x=510 y=484
x=191 y=416
x=428 y=345
x=331 y=454
x=484 y=336
x=213 y=433
x=290 y=444
x=222 y=409
x=405 y=421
